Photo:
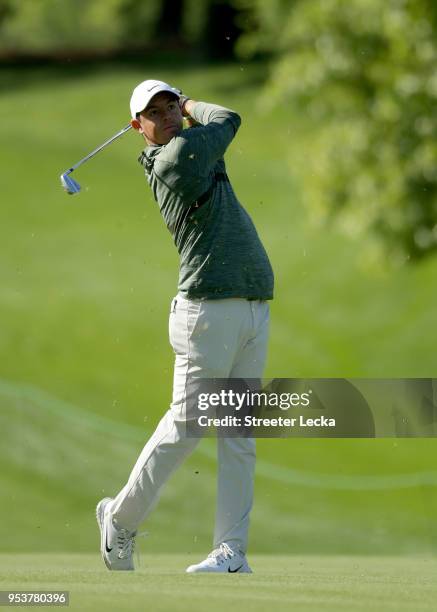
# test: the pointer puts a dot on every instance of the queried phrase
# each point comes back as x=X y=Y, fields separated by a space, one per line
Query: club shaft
x=102 y=146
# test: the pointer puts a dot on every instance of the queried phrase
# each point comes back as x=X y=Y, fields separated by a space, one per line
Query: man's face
x=160 y=120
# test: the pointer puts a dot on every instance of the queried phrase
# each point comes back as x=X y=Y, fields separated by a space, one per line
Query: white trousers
x=211 y=339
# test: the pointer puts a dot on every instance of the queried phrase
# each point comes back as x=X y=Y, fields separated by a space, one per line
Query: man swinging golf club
x=219 y=319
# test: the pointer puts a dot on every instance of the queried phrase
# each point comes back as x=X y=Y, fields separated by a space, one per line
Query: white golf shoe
x=222 y=560
x=116 y=545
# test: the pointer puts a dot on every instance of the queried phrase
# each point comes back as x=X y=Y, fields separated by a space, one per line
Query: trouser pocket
x=183 y=319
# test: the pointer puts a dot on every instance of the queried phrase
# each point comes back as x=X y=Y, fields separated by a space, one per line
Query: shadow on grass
x=225 y=77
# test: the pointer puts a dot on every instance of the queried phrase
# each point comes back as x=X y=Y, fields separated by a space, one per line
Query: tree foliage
x=363 y=74
x=46 y=24
x=51 y=27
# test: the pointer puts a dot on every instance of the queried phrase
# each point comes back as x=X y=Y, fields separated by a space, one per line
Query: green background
x=85 y=363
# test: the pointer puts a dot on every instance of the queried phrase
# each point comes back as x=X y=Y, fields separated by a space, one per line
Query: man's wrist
x=182 y=101
x=186 y=105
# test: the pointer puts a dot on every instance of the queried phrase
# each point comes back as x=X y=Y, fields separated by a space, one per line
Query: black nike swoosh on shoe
x=235 y=570
x=106 y=544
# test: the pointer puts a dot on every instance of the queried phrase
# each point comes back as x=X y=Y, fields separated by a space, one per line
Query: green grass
x=312 y=496
x=85 y=364
x=300 y=583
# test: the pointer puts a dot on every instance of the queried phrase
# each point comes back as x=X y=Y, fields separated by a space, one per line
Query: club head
x=69 y=184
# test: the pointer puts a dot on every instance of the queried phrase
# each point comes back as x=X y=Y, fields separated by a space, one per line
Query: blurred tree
x=169 y=24
x=6 y=10
x=49 y=25
x=262 y=24
x=138 y=22
x=221 y=29
x=362 y=74
x=213 y=27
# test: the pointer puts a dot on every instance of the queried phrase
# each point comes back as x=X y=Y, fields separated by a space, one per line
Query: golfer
x=219 y=319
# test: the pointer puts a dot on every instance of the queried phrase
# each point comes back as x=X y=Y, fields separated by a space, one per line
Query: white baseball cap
x=144 y=92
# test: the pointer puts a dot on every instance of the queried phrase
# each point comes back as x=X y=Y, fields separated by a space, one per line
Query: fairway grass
x=316 y=583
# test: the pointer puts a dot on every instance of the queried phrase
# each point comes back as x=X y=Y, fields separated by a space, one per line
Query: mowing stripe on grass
x=284 y=475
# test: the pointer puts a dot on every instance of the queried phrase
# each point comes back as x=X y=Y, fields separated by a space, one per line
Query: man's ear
x=136 y=125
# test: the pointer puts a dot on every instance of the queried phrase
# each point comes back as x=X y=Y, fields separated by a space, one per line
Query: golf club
x=68 y=183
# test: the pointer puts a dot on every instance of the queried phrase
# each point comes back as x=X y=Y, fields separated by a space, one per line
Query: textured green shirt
x=221 y=255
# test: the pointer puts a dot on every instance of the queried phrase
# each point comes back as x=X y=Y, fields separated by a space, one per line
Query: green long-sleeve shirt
x=221 y=255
